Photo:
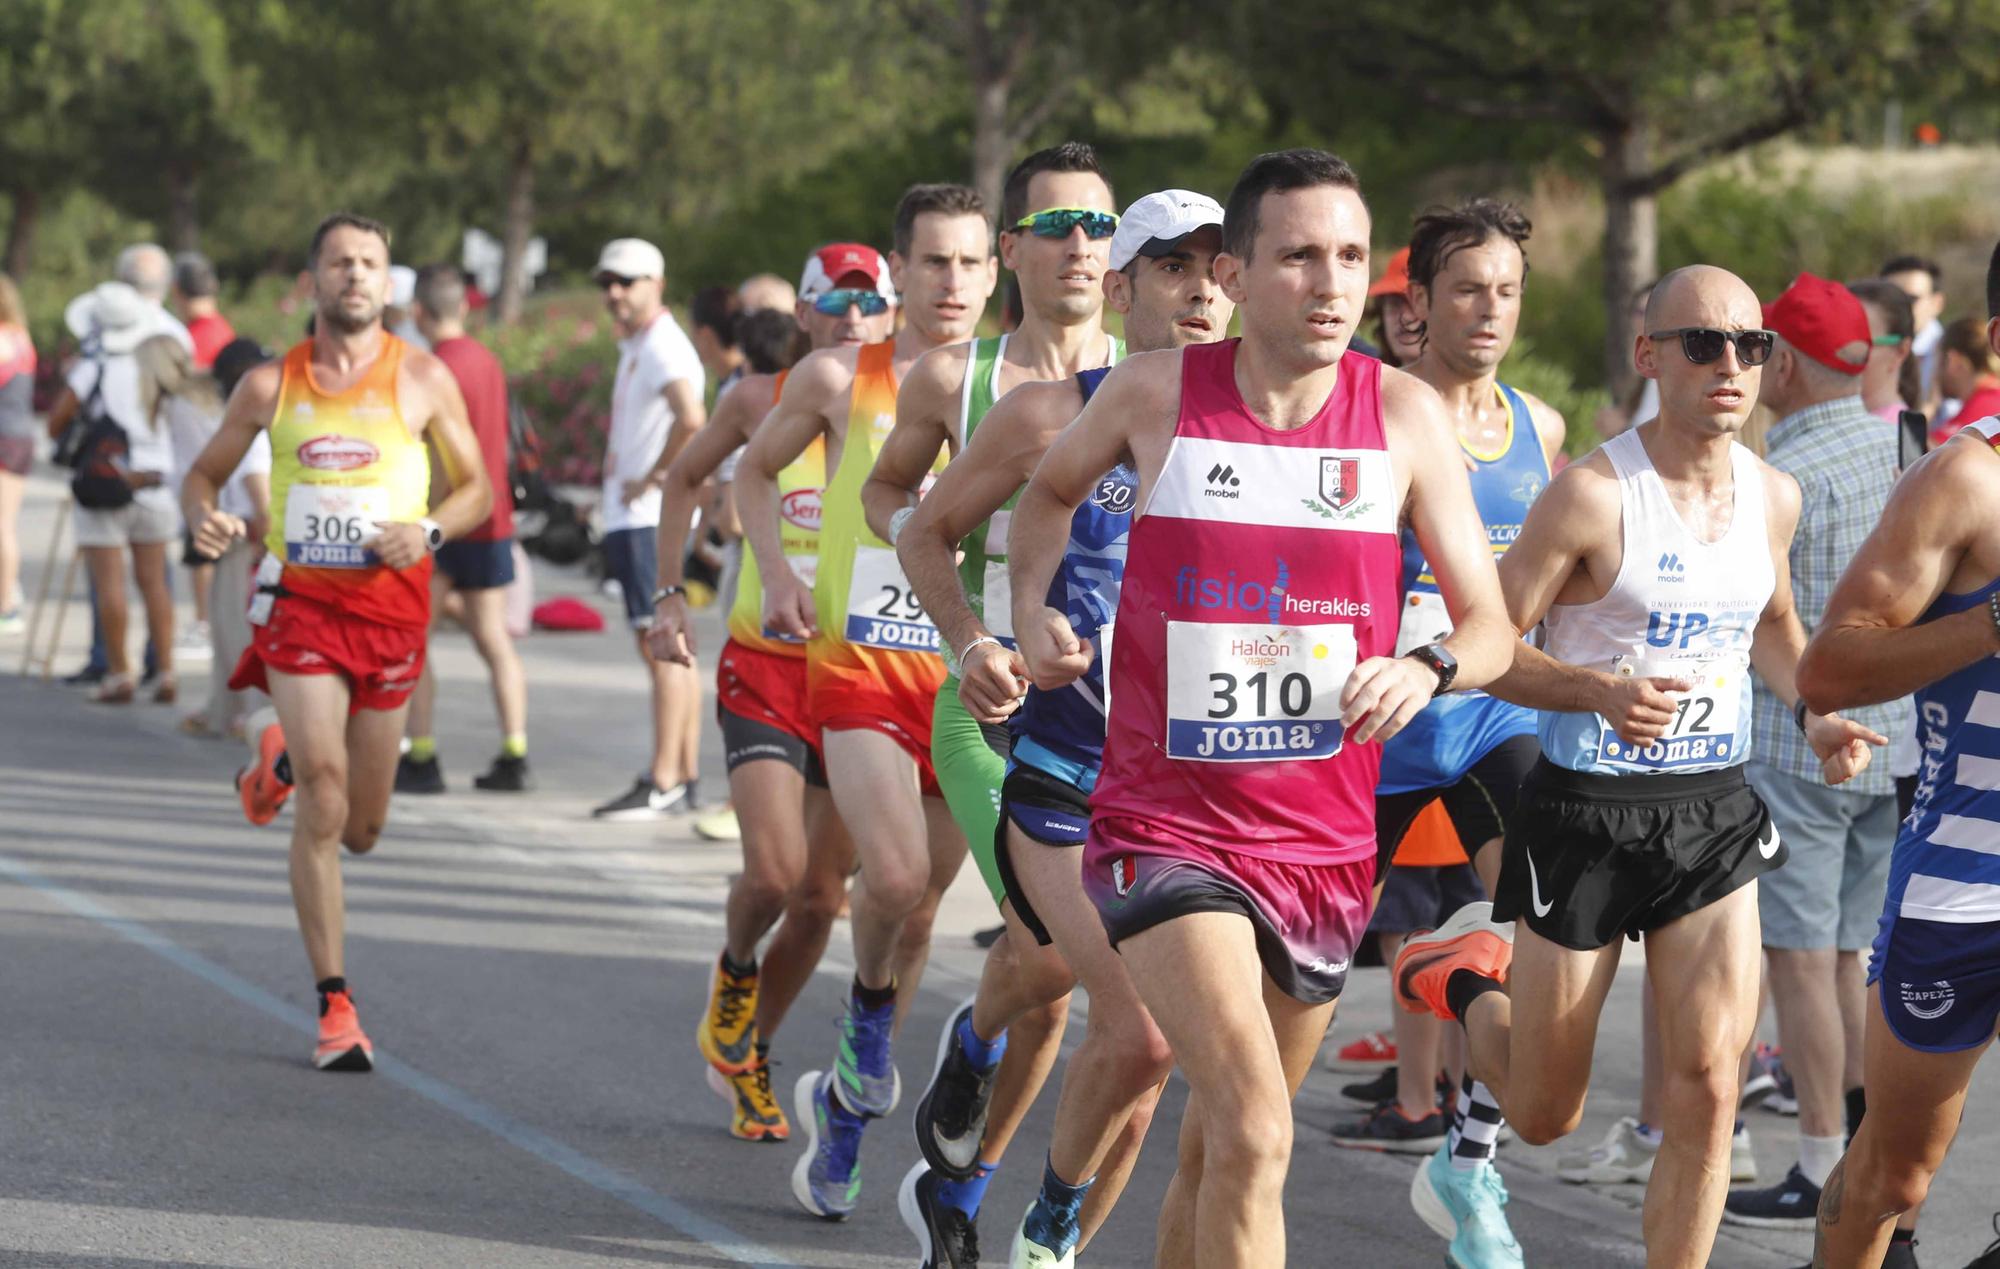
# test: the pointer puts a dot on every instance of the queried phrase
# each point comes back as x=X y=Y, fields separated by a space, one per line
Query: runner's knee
x=1251 y=1142
x=361 y=834
x=898 y=889
x=322 y=790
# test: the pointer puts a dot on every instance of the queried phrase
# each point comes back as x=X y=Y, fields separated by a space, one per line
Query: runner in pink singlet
x=1232 y=840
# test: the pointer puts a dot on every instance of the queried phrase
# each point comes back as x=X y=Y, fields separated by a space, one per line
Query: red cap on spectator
x=1395 y=279
x=1824 y=321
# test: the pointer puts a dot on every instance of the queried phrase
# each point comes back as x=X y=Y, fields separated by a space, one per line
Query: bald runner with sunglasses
x=1658 y=568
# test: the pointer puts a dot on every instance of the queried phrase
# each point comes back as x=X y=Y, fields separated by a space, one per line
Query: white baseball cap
x=630 y=258
x=1155 y=224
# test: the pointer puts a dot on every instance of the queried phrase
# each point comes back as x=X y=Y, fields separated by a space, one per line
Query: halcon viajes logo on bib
x=1934 y=1001
x=337 y=453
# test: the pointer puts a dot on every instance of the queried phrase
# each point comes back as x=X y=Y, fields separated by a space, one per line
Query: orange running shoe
x=266 y=783
x=754 y=1112
x=342 y=1044
x=1470 y=940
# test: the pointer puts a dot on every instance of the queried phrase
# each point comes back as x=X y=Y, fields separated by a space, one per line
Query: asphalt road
x=532 y=980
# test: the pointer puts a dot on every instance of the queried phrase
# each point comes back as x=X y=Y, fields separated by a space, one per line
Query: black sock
x=1857 y=1106
x=874 y=997
x=282 y=768
x=1903 y=1236
x=734 y=970
x=326 y=987
x=1464 y=987
x=763 y=1050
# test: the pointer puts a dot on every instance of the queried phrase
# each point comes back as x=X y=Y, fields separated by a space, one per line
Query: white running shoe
x=1623 y=1157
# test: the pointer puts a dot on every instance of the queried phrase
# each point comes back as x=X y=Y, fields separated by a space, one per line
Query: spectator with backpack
x=124 y=462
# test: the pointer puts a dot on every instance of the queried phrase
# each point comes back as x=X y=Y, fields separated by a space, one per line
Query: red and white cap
x=1824 y=321
x=837 y=262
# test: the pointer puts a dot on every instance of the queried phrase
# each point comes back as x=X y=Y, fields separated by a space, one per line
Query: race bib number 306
x=1255 y=693
x=882 y=610
x=325 y=525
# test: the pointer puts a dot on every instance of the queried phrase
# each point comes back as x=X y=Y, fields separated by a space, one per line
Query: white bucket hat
x=113 y=314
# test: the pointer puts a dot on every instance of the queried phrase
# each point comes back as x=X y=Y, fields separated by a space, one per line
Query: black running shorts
x=1589 y=857
x=1051 y=812
x=1480 y=803
x=752 y=740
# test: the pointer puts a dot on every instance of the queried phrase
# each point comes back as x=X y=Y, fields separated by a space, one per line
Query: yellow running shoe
x=727 y=1036
x=755 y=1113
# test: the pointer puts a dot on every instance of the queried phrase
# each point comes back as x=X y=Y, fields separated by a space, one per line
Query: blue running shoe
x=864 y=1076
x=827 y=1180
x=1469 y=1207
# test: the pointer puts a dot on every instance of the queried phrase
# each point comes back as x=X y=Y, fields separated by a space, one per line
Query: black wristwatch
x=1441 y=662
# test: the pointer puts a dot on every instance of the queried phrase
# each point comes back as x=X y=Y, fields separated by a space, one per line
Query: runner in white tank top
x=1637 y=822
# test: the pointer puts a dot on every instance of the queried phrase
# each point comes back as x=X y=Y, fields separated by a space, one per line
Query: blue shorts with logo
x=1939 y=981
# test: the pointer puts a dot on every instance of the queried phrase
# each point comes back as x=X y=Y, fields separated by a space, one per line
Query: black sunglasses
x=1703 y=344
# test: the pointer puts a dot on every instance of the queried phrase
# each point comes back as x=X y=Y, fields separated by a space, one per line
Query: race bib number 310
x=325 y=525
x=1254 y=693
x=882 y=610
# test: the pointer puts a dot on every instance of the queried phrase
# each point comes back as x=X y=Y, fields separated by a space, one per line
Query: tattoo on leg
x=1829 y=1211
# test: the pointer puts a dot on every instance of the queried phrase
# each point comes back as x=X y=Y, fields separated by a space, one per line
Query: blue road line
x=716 y=1236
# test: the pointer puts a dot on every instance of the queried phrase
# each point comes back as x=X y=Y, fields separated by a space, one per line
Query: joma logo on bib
x=1271 y=740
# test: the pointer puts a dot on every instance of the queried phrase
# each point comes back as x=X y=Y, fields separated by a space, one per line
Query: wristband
x=1993 y=609
x=1799 y=713
x=897 y=521
x=967 y=649
x=668 y=592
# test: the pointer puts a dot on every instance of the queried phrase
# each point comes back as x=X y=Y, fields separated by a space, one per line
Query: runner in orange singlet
x=872 y=668
x=796 y=856
x=343 y=594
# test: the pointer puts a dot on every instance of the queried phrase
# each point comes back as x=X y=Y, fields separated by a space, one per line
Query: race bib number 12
x=1255 y=693
x=882 y=610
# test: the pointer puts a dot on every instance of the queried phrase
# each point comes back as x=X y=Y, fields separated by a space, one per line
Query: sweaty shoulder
x=257 y=392
x=433 y=379
x=1781 y=495
x=1408 y=400
x=1147 y=377
x=1550 y=425
x=1583 y=497
x=939 y=370
x=825 y=370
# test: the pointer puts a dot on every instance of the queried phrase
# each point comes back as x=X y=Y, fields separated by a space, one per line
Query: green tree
x=1649 y=91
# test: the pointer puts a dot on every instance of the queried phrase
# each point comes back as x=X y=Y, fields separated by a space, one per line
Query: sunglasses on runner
x=1056 y=222
x=1703 y=344
x=835 y=303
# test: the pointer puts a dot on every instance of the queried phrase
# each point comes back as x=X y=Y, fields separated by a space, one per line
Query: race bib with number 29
x=882 y=610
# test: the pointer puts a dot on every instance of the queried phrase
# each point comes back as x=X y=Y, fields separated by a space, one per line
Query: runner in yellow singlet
x=871 y=665
x=343 y=598
x=796 y=856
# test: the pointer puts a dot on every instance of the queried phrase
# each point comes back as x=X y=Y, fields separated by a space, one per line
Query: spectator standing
x=148 y=269
x=187 y=403
x=1891 y=382
x=712 y=329
x=1819 y=911
x=656 y=405
x=1968 y=375
x=17 y=444
x=478 y=565
x=195 y=291
x=1399 y=335
x=106 y=380
x=1922 y=280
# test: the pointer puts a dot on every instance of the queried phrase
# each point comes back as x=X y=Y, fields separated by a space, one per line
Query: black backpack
x=100 y=452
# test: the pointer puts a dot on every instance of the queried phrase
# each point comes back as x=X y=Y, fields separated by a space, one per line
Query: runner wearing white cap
x=796 y=856
x=656 y=406
x=1161 y=279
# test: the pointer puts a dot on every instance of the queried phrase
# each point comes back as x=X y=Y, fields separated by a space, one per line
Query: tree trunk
x=183 y=209
x=514 y=236
x=20 y=251
x=1631 y=249
x=992 y=140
